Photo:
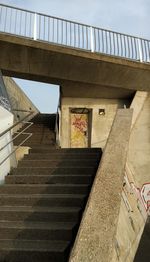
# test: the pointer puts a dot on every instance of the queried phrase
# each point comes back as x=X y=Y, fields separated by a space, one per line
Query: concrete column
x=95 y=239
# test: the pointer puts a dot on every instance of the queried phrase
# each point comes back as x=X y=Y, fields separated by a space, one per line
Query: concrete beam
x=40 y=61
x=95 y=239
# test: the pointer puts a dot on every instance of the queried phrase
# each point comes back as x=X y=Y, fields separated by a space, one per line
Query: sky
x=125 y=16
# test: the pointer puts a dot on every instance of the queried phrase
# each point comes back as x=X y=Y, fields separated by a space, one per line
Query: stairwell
x=42 y=200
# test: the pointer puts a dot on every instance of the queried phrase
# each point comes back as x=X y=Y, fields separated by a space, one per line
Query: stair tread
x=43 y=185
x=31 y=245
x=43 y=196
x=36 y=225
x=40 y=209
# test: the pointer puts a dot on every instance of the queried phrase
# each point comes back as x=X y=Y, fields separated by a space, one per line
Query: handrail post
x=92 y=39
x=35 y=27
x=140 y=50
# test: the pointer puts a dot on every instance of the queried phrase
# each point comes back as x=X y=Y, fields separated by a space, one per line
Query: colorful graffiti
x=79 y=123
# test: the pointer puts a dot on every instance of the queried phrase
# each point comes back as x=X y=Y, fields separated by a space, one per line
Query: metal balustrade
x=59 y=31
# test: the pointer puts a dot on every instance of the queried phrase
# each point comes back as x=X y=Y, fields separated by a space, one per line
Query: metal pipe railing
x=60 y=31
x=22 y=121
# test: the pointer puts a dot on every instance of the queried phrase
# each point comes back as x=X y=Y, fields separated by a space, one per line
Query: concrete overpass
x=114 y=65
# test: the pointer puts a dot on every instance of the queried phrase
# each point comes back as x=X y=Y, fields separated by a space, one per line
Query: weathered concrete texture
x=132 y=215
x=139 y=147
x=35 y=60
x=98 y=227
x=18 y=100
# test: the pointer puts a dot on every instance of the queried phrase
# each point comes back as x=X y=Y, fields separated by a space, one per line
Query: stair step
x=44 y=189
x=51 y=179
x=56 y=170
x=43 y=214
x=38 y=149
x=58 y=163
x=37 y=230
x=53 y=200
x=65 y=156
x=33 y=251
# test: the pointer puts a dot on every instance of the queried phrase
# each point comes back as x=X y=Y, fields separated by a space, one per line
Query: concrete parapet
x=95 y=239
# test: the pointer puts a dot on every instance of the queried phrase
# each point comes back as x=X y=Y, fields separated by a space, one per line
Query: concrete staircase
x=42 y=201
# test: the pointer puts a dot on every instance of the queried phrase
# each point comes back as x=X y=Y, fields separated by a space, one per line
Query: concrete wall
x=133 y=210
x=6 y=120
x=101 y=124
x=18 y=99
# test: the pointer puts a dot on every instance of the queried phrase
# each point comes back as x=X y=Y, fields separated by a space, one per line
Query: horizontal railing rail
x=18 y=133
x=60 y=31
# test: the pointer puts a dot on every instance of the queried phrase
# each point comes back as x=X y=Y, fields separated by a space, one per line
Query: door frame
x=81 y=110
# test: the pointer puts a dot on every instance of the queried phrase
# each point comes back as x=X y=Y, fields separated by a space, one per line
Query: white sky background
x=125 y=16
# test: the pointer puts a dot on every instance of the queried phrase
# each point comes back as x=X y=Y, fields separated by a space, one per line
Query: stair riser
x=60 y=157
x=43 y=202
x=31 y=256
x=34 y=234
x=45 y=163
x=54 y=171
x=63 y=150
x=48 y=179
x=40 y=216
x=44 y=190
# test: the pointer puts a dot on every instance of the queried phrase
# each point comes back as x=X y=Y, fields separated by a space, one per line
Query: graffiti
x=145 y=195
x=5 y=103
x=80 y=123
x=79 y=130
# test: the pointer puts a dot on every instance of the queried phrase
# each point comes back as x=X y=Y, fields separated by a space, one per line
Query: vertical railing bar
x=146 y=50
x=128 y=46
x=57 y=30
x=103 y=44
x=62 y=32
x=117 y=42
x=79 y=35
x=132 y=49
x=15 y=31
x=20 y=22
x=74 y=34
x=121 y=45
x=142 y=47
x=39 y=26
x=48 y=28
x=106 y=41
x=1 y=14
x=10 y=20
x=5 y=20
x=110 y=44
x=125 y=46
x=70 y=33
x=44 y=29
x=135 y=48
x=82 y=37
x=53 y=30
x=99 y=43
x=87 y=45
x=114 y=44
x=66 y=34
x=26 y=23
x=144 y=42
x=94 y=38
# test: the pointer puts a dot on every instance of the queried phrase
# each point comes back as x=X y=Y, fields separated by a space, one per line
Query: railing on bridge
x=55 y=30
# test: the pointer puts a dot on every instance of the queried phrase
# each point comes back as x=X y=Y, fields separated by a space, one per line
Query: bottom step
x=33 y=251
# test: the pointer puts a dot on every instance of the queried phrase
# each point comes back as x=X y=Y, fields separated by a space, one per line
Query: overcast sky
x=126 y=16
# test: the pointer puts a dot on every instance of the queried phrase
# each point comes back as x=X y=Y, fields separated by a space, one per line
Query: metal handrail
x=18 y=134
x=14 y=125
x=64 y=32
